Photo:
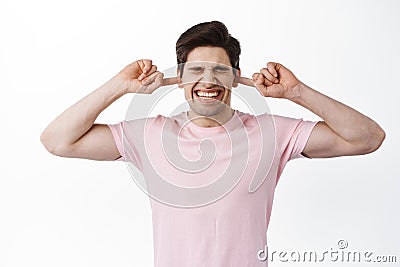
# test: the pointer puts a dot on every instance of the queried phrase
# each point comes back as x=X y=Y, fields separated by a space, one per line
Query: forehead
x=210 y=54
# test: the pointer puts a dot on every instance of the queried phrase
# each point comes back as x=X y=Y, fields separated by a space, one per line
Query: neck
x=213 y=121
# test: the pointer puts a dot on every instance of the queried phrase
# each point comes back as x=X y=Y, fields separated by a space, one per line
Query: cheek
x=187 y=92
x=227 y=82
x=190 y=78
x=228 y=95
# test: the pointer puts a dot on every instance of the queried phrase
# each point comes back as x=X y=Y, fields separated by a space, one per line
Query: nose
x=209 y=76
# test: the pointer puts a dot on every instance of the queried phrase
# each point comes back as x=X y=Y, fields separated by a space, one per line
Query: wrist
x=118 y=86
x=295 y=93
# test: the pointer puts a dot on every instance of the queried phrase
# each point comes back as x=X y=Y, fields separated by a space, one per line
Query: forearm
x=347 y=122
x=74 y=122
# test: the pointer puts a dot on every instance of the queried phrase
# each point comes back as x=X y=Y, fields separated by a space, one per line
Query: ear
x=236 y=78
x=178 y=75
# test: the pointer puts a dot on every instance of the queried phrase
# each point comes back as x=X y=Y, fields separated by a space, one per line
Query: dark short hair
x=213 y=33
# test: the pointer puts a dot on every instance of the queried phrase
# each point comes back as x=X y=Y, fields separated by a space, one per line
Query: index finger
x=170 y=81
x=246 y=81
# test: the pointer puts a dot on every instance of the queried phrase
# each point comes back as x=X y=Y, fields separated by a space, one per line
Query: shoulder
x=158 y=121
x=255 y=120
x=288 y=124
x=148 y=121
x=282 y=125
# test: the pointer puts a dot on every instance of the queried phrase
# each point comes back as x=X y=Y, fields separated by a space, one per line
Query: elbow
x=381 y=137
x=46 y=142
x=52 y=146
x=375 y=140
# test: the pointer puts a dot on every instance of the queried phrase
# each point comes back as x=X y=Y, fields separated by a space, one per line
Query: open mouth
x=208 y=94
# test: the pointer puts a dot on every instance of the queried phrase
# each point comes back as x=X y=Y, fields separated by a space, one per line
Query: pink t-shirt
x=230 y=230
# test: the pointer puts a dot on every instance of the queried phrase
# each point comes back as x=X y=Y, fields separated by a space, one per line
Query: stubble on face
x=207 y=81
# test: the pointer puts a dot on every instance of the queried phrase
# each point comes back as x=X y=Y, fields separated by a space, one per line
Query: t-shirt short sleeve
x=128 y=137
x=117 y=132
x=291 y=137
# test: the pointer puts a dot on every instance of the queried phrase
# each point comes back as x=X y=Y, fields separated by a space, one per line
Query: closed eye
x=221 y=69
x=196 y=69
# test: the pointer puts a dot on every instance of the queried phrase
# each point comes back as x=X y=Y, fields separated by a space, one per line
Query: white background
x=73 y=212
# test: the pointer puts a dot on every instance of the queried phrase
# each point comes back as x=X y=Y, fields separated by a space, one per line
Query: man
x=229 y=230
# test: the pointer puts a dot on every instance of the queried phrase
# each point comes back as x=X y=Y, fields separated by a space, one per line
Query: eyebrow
x=217 y=67
x=196 y=68
x=221 y=67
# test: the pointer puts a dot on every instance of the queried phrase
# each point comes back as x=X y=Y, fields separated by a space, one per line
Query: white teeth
x=205 y=94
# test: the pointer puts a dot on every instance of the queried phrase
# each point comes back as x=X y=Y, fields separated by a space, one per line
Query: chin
x=208 y=110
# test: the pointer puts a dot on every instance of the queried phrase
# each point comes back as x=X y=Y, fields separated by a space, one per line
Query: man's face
x=207 y=80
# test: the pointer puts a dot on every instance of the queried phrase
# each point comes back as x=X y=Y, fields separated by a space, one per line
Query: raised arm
x=74 y=134
x=343 y=131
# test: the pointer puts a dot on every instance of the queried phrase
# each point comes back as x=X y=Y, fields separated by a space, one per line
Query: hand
x=275 y=81
x=142 y=77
